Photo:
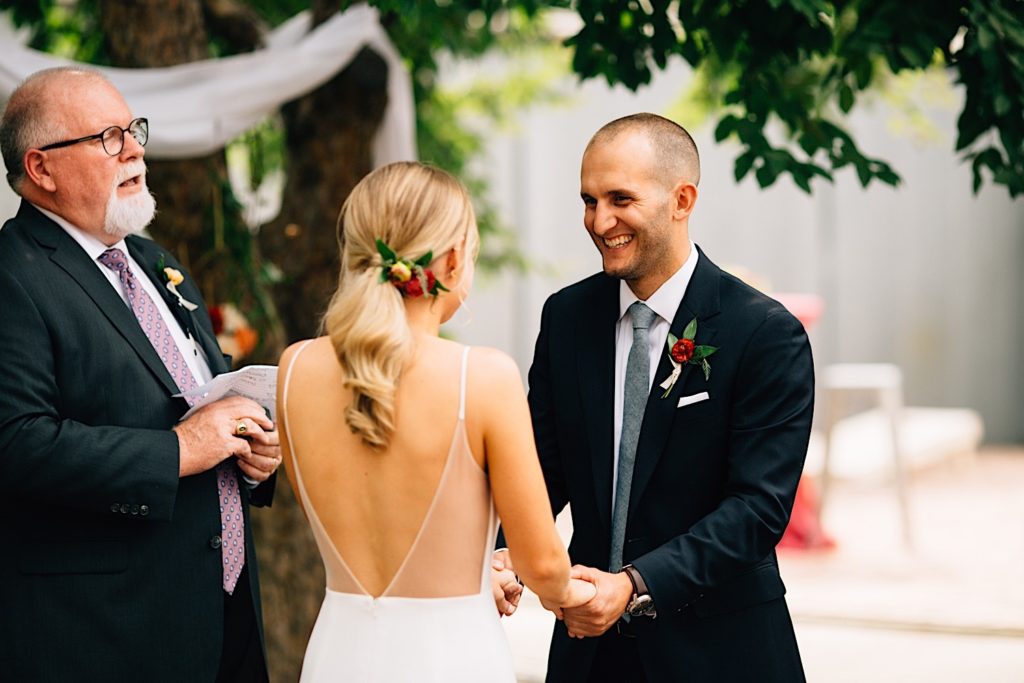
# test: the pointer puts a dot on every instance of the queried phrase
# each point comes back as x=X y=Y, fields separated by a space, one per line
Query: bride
x=397 y=441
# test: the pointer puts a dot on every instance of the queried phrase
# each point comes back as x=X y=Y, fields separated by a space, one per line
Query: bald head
x=675 y=155
x=35 y=114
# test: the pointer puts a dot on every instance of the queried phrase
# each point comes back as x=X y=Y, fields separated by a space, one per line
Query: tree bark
x=155 y=33
x=330 y=134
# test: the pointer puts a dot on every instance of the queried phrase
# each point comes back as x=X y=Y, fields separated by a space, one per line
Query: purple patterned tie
x=232 y=524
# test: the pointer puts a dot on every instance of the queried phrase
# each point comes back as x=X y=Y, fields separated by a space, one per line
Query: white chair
x=884 y=382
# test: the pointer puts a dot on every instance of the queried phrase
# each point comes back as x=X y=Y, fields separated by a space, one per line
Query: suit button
x=143 y=510
x=215 y=542
x=114 y=507
x=124 y=508
x=135 y=509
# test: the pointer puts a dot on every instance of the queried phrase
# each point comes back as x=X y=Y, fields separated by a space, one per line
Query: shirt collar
x=92 y=246
x=666 y=299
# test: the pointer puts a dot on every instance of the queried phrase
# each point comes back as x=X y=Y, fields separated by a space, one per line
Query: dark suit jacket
x=108 y=570
x=713 y=483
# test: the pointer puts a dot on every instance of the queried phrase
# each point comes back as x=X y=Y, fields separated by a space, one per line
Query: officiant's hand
x=211 y=434
x=505 y=584
x=264 y=455
x=613 y=592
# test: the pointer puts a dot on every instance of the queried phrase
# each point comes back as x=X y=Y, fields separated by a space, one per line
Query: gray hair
x=28 y=121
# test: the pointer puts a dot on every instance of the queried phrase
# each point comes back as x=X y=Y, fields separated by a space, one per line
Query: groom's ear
x=684 y=197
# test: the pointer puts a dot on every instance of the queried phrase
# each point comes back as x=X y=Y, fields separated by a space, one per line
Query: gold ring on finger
x=240 y=428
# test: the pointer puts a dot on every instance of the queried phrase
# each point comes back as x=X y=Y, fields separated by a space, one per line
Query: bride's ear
x=453 y=262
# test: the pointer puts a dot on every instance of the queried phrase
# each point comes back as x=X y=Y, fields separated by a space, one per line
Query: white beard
x=129 y=216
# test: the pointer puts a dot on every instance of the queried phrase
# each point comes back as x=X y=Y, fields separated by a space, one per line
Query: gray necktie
x=634 y=401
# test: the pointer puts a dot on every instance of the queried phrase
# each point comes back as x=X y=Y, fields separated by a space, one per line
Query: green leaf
x=845 y=98
x=707 y=369
x=691 y=330
x=424 y=261
x=725 y=127
x=672 y=339
x=862 y=71
x=385 y=252
x=703 y=351
x=700 y=352
x=802 y=180
x=743 y=164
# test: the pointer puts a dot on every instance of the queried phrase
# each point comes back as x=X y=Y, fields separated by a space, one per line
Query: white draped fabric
x=196 y=108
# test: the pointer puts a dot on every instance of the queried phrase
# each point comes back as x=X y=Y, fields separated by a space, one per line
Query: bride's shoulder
x=309 y=348
x=492 y=366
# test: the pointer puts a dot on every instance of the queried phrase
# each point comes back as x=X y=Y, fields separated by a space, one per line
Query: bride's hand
x=506 y=589
x=580 y=593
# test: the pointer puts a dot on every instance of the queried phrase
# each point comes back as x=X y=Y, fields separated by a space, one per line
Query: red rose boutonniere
x=685 y=352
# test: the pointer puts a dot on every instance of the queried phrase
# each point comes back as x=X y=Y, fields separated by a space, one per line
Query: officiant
x=127 y=550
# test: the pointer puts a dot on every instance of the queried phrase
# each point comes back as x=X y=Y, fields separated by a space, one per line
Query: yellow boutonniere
x=173 y=277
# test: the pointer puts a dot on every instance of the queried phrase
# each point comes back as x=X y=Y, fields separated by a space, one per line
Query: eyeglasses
x=112 y=138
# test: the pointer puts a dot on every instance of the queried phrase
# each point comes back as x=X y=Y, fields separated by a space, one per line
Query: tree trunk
x=155 y=33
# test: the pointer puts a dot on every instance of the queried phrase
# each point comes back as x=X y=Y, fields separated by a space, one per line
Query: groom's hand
x=600 y=614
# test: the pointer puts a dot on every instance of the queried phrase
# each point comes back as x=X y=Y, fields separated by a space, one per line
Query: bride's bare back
x=407 y=521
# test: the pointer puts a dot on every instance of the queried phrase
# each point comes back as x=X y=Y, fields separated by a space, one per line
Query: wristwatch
x=642 y=604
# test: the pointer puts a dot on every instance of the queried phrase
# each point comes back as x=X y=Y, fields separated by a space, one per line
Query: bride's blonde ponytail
x=414 y=209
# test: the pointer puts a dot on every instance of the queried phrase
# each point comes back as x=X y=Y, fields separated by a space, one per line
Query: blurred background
x=861 y=162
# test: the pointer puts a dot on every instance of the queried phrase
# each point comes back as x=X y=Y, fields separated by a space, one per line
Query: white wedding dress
x=436 y=621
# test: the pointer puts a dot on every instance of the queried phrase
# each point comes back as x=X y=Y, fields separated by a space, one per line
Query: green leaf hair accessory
x=412 y=278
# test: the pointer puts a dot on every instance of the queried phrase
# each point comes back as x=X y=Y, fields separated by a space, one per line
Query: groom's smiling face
x=628 y=211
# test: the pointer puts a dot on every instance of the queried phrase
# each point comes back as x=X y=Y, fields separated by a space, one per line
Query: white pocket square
x=693 y=398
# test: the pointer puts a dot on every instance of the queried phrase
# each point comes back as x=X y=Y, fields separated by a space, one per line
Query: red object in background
x=804 y=531
x=216 y=318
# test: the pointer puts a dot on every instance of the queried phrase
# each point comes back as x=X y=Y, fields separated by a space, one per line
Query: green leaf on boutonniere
x=672 y=339
x=706 y=367
x=424 y=261
x=691 y=330
x=161 y=264
x=385 y=251
x=701 y=352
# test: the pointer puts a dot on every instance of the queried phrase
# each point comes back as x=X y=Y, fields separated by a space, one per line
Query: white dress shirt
x=664 y=302
x=194 y=356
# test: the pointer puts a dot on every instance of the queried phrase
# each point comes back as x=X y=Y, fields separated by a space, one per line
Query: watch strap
x=639 y=585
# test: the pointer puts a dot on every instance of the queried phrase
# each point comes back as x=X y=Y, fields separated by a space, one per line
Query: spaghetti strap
x=462 y=384
x=283 y=410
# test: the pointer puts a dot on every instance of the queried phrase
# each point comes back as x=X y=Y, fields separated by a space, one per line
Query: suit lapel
x=147 y=254
x=595 y=346
x=70 y=257
x=701 y=301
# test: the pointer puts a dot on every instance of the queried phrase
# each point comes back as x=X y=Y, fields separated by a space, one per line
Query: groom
x=127 y=553
x=680 y=473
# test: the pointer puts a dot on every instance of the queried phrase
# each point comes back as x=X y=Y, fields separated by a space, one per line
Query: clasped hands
x=233 y=426
x=596 y=601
